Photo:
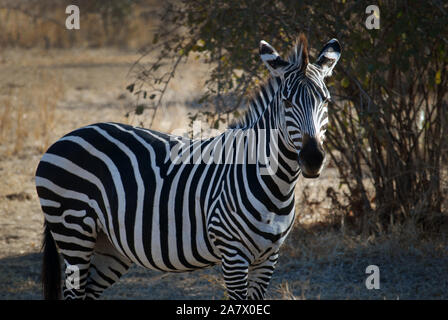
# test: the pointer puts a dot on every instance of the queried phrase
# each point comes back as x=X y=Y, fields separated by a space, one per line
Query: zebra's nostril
x=312 y=161
x=311 y=156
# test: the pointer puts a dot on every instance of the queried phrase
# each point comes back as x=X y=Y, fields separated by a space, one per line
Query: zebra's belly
x=164 y=241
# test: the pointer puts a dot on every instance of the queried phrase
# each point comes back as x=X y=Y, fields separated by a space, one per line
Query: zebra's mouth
x=306 y=174
x=310 y=176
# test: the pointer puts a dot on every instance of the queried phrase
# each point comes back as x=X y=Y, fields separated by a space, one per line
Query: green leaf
x=345 y=82
x=438 y=77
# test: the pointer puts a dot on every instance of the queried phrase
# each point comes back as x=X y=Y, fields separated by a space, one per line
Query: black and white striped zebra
x=114 y=195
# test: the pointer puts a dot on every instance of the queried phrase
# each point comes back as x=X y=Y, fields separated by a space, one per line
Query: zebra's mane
x=259 y=102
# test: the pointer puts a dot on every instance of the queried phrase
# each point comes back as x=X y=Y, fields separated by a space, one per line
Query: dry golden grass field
x=47 y=93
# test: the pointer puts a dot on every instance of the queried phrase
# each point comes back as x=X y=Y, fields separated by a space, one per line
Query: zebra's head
x=304 y=96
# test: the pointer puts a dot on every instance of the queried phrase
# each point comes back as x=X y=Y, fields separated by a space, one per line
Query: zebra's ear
x=329 y=56
x=272 y=59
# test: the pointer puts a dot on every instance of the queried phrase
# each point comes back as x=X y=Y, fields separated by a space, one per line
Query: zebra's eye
x=288 y=104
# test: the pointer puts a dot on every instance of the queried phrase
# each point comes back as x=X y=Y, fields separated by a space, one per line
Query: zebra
x=114 y=195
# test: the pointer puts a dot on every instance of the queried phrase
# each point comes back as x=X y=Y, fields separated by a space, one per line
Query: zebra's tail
x=51 y=269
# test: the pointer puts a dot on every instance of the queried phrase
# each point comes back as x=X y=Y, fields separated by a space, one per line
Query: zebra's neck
x=265 y=121
x=283 y=156
x=265 y=110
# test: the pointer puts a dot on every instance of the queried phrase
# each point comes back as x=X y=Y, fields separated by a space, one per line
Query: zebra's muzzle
x=311 y=157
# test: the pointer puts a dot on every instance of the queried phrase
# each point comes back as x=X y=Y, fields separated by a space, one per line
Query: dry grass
x=321 y=262
x=28 y=116
x=31 y=24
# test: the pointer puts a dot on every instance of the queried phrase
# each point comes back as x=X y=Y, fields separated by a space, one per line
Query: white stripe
x=49 y=203
x=75 y=213
x=75 y=240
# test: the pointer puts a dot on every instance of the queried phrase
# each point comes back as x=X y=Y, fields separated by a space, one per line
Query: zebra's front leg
x=235 y=270
x=259 y=277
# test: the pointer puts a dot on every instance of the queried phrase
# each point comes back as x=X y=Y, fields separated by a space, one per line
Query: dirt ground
x=45 y=94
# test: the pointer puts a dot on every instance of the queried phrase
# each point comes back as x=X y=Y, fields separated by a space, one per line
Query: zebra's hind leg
x=75 y=240
x=106 y=267
x=235 y=271
x=76 y=271
x=259 y=277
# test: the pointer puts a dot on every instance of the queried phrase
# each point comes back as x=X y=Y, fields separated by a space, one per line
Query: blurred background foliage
x=388 y=126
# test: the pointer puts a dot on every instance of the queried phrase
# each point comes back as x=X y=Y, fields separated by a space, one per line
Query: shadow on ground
x=20 y=279
x=408 y=274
